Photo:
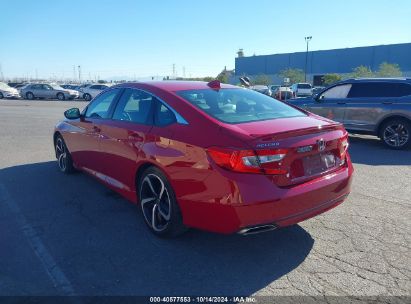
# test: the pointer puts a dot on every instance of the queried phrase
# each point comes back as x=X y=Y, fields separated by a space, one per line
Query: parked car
x=8 y=92
x=261 y=89
x=301 y=90
x=262 y=164
x=20 y=86
x=274 y=87
x=283 y=93
x=317 y=90
x=91 y=91
x=41 y=90
x=380 y=107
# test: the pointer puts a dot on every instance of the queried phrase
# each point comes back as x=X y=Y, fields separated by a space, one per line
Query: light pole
x=307 y=40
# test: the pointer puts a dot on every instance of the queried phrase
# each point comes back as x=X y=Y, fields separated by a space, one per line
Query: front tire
x=159 y=205
x=29 y=95
x=60 y=96
x=64 y=160
x=396 y=134
x=87 y=97
x=1 y=95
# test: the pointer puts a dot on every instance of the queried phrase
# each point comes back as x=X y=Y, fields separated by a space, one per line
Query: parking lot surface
x=68 y=234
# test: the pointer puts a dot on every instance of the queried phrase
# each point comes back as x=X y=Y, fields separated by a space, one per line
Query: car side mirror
x=319 y=97
x=73 y=113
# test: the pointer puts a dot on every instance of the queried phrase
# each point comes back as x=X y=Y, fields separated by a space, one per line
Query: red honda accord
x=207 y=155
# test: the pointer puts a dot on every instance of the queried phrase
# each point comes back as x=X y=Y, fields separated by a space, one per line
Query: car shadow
x=101 y=244
x=369 y=150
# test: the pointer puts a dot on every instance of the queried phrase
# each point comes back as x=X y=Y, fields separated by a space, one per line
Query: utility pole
x=174 y=70
x=37 y=75
x=79 y=73
x=307 y=40
x=74 y=73
x=184 y=72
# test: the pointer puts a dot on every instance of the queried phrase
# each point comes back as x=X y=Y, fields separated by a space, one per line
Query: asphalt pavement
x=70 y=235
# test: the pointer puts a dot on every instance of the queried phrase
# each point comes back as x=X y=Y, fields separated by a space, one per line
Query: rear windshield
x=238 y=105
x=304 y=86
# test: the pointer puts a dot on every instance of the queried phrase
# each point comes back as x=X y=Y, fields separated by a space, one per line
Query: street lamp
x=307 y=40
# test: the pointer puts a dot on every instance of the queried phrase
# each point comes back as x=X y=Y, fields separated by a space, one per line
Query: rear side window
x=100 y=106
x=134 y=106
x=304 y=86
x=379 y=89
x=238 y=105
x=404 y=89
x=339 y=91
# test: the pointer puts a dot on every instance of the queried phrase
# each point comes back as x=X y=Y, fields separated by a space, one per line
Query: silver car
x=48 y=91
x=380 y=107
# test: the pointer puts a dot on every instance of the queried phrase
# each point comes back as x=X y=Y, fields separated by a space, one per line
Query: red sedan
x=207 y=155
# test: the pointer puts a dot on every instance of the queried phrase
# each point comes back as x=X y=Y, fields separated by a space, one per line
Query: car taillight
x=248 y=161
x=343 y=147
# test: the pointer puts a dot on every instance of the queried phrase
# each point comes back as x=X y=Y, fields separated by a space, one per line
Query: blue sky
x=141 y=38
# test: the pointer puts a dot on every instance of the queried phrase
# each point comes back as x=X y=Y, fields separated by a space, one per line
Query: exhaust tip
x=257 y=229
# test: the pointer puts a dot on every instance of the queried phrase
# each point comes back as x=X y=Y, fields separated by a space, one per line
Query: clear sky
x=140 y=38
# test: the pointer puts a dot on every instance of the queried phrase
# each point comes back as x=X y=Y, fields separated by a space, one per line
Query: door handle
x=96 y=129
x=135 y=136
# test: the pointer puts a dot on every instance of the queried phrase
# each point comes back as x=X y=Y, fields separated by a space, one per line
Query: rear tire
x=159 y=205
x=396 y=134
x=87 y=97
x=60 y=96
x=64 y=160
x=29 y=95
x=1 y=95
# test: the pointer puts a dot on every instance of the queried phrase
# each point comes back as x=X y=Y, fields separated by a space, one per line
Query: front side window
x=339 y=91
x=134 y=106
x=100 y=106
x=238 y=105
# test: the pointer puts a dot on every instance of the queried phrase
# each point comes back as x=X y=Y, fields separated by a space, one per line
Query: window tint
x=100 y=107
x=95 y=87
x=380 y=89
x=134 y=106
x=404 y=89
x=304 y=86
x=238 y=105
x=163 y=115
x=339 y=91
x=36 y=87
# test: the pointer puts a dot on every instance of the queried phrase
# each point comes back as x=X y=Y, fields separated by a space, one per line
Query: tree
x=223 y=78
x=361 y=71
x=295 y=75
x=262 y=79
x=331 y=78
x=389 y=70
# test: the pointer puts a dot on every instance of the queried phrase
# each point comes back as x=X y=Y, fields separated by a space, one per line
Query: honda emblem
x=321 y=145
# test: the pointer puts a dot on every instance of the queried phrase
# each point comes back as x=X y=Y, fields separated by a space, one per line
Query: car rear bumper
x=253 y=207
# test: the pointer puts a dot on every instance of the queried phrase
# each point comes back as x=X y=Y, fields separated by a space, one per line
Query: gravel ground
x=69 y=235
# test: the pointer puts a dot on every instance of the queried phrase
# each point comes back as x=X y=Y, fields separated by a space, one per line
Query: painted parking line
x=57 y=276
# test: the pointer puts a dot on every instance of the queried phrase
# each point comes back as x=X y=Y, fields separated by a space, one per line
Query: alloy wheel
x=155 y=202
x=61 y=153
x=396 y=135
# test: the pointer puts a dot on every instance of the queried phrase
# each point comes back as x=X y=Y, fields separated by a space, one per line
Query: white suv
x=301 y=90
